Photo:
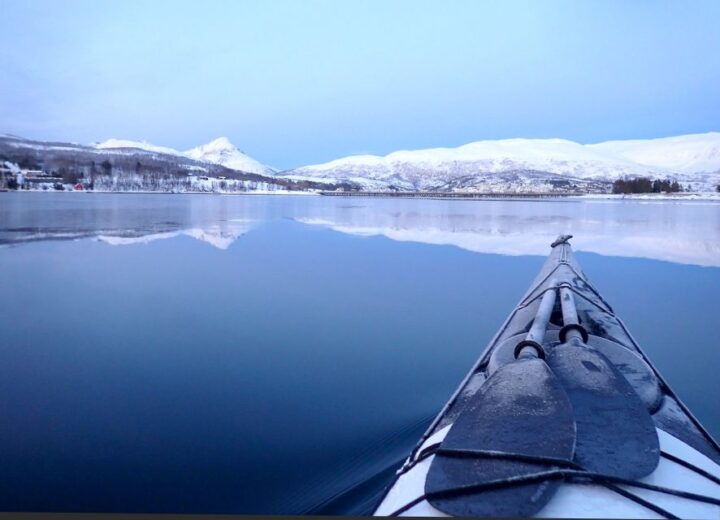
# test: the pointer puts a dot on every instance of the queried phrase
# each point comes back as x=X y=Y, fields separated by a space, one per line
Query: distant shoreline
x=454 y=196
x=98 y=192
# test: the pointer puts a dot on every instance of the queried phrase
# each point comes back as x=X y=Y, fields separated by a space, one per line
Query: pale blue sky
x=296 y=82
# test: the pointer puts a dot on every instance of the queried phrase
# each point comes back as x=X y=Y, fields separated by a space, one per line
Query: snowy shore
x=658 y=197
x=705 y=196
x=69 y=189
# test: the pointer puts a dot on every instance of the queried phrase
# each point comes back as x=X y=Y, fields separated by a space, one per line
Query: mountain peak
x=221 y=143
x=222 y=151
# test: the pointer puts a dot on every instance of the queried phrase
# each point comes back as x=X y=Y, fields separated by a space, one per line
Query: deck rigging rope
x=572 y=473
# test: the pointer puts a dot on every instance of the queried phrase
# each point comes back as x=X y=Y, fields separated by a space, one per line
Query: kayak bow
x=563 y=415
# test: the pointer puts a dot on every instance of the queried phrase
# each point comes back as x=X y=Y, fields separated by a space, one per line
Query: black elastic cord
x=573 y=475
x=645 y=503
x=692 y=467
x=424 y=454
x=407 y=506
x=620 y=491
x=576 y=475
x=493 y=454
x=436 y=448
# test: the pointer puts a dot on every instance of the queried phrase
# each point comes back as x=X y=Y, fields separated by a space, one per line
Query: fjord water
x=253 y=354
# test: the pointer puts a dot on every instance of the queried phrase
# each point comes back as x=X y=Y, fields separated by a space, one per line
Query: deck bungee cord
x=579 y=475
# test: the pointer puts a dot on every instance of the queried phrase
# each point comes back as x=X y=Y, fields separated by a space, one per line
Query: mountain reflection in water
x=683 y=232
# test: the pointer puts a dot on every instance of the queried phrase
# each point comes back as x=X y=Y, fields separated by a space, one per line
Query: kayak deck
x=685 y=481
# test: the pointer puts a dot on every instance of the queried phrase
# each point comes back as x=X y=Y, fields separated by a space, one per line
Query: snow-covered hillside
x=695 y=153
x=220 y=151
x=113 y=144
x=691 y=159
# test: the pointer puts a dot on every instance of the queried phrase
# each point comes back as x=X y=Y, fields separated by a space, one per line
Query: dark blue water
x=282 y=354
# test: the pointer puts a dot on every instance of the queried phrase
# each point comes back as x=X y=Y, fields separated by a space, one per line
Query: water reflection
x=513 y=235
x=682 y=232
x=254 y=336
x=220 y=235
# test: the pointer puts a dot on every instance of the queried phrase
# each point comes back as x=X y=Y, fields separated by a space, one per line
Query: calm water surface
x=249 y=354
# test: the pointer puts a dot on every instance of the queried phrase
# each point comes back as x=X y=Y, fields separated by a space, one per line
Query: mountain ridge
x=121 y=165
x=691 y=158
x=518 y=164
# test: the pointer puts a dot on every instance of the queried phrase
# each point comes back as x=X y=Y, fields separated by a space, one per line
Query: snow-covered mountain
x=534 y=163
x=220 y=151
x=501 y=165
x=119 y=165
